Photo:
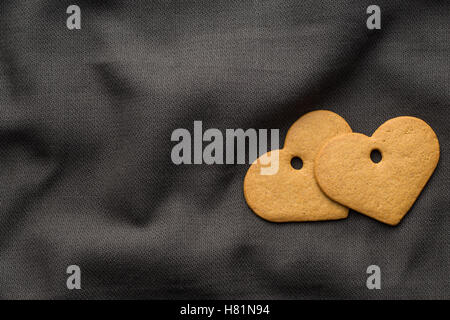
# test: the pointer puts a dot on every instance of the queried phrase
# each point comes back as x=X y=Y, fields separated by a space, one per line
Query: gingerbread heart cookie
x=385 y=190
x=289 y=194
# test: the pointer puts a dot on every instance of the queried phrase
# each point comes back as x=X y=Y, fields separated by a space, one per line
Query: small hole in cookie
x=296 y=163
x=376 y=156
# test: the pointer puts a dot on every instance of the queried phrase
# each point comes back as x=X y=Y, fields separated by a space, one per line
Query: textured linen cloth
x=86 y=118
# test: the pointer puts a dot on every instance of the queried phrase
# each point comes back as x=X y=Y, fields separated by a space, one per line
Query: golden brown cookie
x=290 y=194
x=385 y=190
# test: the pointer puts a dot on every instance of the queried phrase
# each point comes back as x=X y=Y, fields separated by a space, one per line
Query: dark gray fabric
x=85 y=126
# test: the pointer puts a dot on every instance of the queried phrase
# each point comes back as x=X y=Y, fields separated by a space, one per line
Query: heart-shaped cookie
x=385 y=190
x=291 y=194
